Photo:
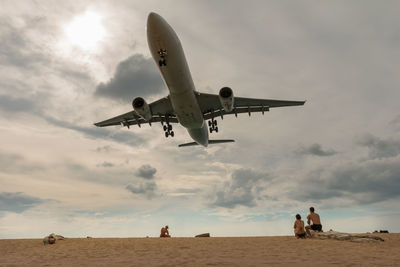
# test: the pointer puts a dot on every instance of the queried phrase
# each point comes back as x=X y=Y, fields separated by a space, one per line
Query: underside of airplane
x=185 y=105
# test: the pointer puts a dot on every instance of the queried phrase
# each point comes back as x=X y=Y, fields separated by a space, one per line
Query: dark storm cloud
x=380 y=148
x=315 y=150
x=17 y=202
x=146 y=171
x=124 y=137
x=135 y=76
x=147 y=189
x=243 y=188
x=362 y=183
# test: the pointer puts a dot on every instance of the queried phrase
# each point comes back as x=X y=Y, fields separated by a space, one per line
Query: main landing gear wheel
x=162 y=62
x=168 y=130
x=213 y=125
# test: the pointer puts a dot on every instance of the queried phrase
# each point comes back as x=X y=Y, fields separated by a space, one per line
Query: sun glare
x=85 y=31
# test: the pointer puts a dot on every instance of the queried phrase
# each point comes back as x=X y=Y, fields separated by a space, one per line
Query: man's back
x=314 y=217
x=316 y=222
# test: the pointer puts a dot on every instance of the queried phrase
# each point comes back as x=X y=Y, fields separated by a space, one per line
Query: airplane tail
x=209 y=142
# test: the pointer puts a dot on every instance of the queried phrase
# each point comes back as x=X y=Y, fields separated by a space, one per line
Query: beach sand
x=214 y=251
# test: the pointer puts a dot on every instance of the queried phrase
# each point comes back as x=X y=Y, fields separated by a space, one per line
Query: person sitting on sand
x=316 y=222
x=164 y=232
x=299 y=227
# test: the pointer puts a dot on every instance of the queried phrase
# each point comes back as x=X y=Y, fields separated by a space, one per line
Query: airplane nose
x=152 y=20
x=151 y=15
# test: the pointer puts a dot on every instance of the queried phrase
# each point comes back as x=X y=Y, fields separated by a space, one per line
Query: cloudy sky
x=65 y=65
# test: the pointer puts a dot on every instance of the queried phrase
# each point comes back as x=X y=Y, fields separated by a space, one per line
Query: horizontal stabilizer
x=220 y=141
x=209 y=142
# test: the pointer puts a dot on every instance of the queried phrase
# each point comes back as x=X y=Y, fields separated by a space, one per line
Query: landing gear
x=168 y=130
x=163 y=54
x=167 y=127
x=212 y=124
x=162 y=62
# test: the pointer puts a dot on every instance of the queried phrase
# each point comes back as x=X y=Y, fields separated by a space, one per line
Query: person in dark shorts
x=299 y=227
x=303 y=235
x=316 y=222
x=316 y=227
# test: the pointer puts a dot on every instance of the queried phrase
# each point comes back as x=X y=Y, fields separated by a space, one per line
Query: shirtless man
x=299 y=227
x=164 y=232
x=316 y=222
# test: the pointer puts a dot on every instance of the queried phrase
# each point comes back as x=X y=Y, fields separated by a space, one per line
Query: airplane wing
x=211 y=107
x=161 y=111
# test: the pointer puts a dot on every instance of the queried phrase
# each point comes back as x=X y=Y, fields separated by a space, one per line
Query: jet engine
x=226 y=98
x=142 y=108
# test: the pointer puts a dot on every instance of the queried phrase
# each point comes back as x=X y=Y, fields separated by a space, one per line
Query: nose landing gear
x=163 y=54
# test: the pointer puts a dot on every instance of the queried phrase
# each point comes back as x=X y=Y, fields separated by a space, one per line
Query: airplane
x=185 y=105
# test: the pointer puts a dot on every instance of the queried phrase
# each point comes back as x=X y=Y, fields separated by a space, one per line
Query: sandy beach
x=217 y=251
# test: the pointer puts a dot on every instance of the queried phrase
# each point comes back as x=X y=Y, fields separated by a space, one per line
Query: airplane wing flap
x=235 y=111
x=153 y=119
x=126 y=121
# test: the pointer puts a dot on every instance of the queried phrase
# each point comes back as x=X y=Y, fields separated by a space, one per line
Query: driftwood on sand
x=203 y=235
x=346 y=236
x=51 y=239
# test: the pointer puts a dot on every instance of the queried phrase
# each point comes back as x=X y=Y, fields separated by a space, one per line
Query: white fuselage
x=177 y=77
